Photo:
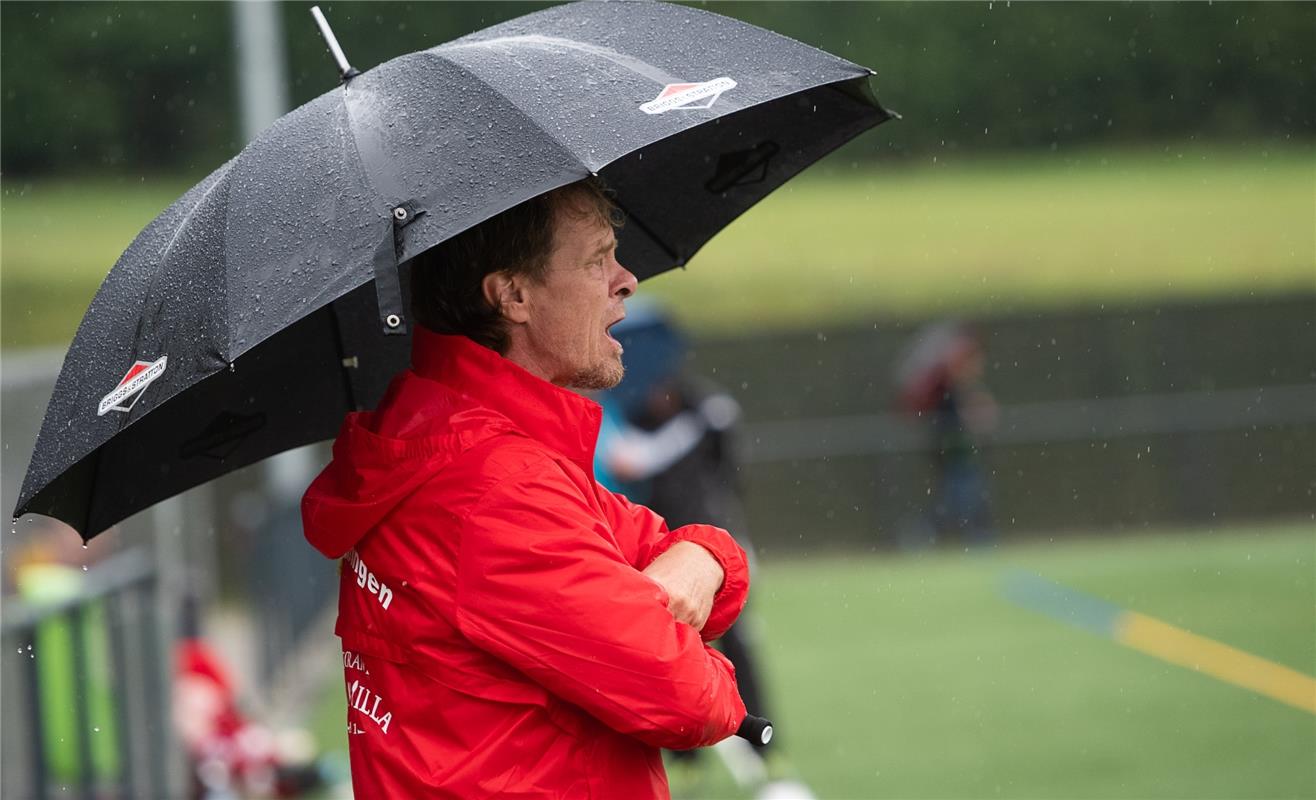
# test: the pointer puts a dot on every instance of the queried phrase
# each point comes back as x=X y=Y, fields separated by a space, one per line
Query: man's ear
x=505 y=292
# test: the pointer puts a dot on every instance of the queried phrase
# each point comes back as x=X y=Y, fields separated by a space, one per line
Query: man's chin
x=599 y=377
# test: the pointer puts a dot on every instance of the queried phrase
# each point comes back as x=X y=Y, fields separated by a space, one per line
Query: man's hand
x=691 y=577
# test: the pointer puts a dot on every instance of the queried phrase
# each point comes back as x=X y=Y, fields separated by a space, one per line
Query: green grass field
x=912 y=677
x=839 y=245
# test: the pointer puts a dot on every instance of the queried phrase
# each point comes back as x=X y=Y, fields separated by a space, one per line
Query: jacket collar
x=556 y=417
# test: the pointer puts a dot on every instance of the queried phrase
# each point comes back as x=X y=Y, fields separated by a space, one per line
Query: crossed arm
x=544 y=585
x=692 y=577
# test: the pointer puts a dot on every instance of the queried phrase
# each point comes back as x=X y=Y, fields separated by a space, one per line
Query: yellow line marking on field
x=1198 y=653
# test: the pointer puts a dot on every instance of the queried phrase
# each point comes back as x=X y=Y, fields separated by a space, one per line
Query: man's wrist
x=710 y=565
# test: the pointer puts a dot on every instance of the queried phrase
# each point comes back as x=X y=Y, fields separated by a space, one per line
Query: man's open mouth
x=607 y=331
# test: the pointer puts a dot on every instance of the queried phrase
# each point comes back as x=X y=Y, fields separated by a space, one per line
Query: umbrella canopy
x=270 y=299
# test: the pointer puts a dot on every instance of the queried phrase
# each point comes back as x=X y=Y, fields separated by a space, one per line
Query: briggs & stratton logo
x=131 y=386
x=686 y=96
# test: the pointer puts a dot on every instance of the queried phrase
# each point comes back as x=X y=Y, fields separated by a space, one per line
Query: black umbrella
x=268 y=301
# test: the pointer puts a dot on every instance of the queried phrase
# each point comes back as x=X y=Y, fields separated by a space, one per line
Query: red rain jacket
x=498 y=636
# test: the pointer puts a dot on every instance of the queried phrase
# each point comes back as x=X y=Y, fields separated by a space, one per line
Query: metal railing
x=93 y=662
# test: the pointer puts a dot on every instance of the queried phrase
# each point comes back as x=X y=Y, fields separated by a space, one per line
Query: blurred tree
x=105 y=85
x=998 y=75
x=151 y=85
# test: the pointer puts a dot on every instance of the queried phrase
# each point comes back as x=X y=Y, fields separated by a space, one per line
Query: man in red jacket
x=509 y=626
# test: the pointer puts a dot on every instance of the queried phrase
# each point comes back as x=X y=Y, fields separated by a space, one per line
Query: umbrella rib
x=99 y=455
x=348 y=384
x=638 y=66
x=676 y=257
x=526 y=115
x=168 y=248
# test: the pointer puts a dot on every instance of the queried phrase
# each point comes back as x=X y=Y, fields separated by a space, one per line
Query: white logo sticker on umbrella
x=688 y=96
x=139 y=376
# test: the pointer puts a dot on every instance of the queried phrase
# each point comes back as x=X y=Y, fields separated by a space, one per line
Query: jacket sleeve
x=542 y=587
x=654 y=539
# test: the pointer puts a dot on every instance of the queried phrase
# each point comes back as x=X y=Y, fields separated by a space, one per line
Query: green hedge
x=152 y=85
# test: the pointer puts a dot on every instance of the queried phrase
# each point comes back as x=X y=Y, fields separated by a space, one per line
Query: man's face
x=579 y=297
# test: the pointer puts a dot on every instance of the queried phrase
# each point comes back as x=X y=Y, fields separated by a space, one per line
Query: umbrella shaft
x=331 y=40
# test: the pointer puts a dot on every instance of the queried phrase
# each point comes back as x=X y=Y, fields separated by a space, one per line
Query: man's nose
x=624 y=281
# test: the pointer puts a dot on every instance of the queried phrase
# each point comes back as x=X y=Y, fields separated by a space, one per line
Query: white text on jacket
x=367 y=702
x=367 y=580
x=354 y=661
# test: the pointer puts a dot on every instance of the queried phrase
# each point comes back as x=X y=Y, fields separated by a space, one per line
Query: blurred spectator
x=940 y=379
x=230 y=754
x=666 y=441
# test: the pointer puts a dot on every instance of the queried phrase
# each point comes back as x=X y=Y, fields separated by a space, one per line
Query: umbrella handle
x=755 y=729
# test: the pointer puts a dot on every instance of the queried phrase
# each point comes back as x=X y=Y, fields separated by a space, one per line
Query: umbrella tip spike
x=346 y=71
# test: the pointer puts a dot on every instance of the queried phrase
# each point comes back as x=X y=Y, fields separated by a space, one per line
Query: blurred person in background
x=668 y=441
x=230 y=754
x=940 y=380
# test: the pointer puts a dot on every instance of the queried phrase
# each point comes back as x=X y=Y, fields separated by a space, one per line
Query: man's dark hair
x=446 y=281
